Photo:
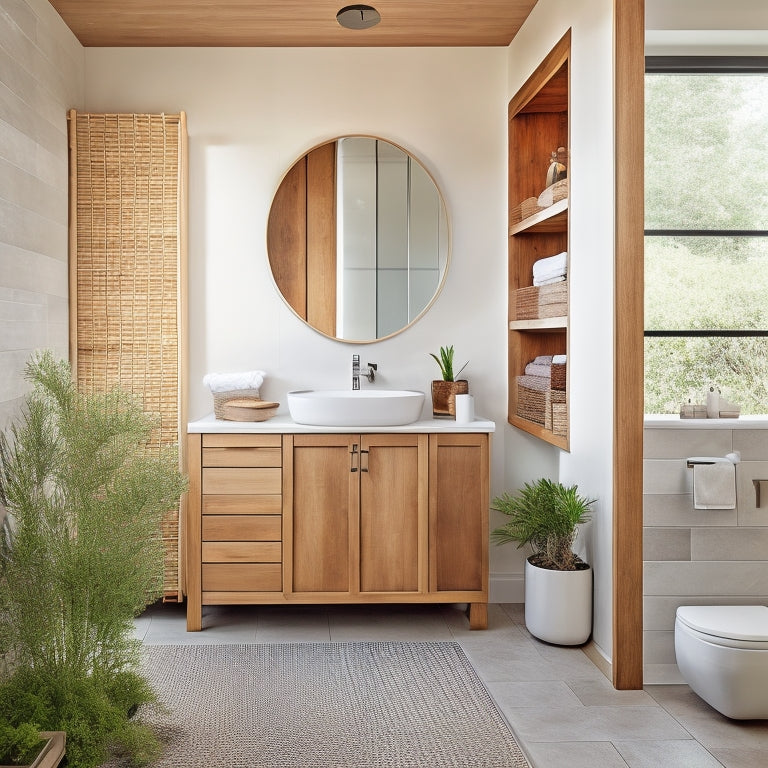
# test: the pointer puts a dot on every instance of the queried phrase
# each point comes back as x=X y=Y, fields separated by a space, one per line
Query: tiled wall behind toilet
x=698 y=556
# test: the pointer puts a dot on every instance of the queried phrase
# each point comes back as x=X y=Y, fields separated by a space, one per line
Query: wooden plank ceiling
x=290 y=23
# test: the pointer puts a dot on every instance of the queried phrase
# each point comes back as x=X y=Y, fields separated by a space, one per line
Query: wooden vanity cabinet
x=338 y=518
x=359 y=522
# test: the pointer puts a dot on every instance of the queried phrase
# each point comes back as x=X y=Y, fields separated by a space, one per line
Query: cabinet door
x=458 y=512
x=393 y=513
x=320 y=496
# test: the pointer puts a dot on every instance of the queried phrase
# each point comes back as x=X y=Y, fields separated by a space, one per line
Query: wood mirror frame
x=396 y=265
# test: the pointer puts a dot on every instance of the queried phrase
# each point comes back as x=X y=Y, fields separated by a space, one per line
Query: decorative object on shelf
x=715 y=407
x=248 y=409
x=558 y=170
x=558 y=583
x=444 y=390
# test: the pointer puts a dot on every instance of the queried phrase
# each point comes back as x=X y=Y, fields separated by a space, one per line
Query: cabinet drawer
x=242 y=527
x=241 y=480
x=242 y=441
x=240 y=504
x=242 y=551
x=242 y=457
x=242 y=577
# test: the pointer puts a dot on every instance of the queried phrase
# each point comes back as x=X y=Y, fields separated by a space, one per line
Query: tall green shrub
x=85 y=557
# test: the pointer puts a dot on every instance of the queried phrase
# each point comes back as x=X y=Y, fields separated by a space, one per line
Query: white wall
x=251 y=113
x=591 y=173
x=41 y=76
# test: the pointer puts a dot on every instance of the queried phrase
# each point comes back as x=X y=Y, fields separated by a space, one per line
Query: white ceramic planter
x=558 y=604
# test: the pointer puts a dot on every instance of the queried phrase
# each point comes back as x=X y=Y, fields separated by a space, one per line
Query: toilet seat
x=735 y=626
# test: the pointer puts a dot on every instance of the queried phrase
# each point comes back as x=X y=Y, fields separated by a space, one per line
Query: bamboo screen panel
x=126 y=273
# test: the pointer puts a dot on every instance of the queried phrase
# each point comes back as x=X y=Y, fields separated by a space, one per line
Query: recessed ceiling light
x=358 y=17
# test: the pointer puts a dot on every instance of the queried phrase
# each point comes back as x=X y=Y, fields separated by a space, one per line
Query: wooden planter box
x=52 y=752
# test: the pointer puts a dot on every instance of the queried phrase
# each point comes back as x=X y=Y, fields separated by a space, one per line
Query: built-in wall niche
x=358 y=239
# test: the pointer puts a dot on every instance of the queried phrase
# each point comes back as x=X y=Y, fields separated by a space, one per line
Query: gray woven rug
x=326 y=705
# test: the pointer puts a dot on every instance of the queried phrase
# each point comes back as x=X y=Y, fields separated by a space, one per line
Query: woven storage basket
x=523 y=210
x=559 y=412
x=558 y=376
x=221 y=398
x=525 y=303
x=553 y=300
x=533 y=398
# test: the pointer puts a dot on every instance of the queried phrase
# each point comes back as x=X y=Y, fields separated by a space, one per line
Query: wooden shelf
x=552 y=219
x=532 y=428
x=540 y=324
x=538 y=125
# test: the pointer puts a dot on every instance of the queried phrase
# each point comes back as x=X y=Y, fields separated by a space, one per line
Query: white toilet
x=722 y=653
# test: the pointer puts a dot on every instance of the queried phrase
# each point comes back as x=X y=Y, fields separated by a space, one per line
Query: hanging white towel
x=714 y=485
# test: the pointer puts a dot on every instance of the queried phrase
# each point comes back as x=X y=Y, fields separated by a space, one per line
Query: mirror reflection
x=358 y=239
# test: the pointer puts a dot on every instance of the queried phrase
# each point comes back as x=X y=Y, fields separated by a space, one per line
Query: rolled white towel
x=227 y=382
x=559 y=359
x=551 y=266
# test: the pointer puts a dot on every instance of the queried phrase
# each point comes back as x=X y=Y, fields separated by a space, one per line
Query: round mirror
x=358 y=239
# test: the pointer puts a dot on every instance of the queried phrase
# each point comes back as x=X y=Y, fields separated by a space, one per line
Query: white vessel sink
x=355 y=407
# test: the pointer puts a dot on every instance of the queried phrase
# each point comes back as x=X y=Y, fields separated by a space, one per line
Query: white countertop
x=673 y=421
x=283 y=423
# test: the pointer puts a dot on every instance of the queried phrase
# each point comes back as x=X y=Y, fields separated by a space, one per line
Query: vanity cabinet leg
x=478 y=615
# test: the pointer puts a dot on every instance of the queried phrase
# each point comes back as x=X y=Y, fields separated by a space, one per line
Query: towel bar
x=693 y=462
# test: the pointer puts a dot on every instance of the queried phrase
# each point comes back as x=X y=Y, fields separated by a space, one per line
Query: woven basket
x=221 y=398
x=523 y=210
x=559 y=412
x=533 y=398
x=553 y=300
x=558 y=376
x=525 y=303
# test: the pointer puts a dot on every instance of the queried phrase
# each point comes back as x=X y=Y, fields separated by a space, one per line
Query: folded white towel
x=548 y=280
x=714 y=485
x=535 y=369
x=227 y=382
x=551 y=266
x=559 y=359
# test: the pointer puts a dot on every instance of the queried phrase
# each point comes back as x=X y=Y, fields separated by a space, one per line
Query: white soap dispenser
x=713 y=403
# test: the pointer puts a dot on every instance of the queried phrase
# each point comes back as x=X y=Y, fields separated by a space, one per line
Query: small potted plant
x=558 y=584
x=444 y=390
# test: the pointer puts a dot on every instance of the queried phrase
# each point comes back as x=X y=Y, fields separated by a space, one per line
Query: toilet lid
x=736 y=622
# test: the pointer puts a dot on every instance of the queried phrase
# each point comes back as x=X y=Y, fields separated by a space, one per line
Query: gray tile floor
x=562 y=709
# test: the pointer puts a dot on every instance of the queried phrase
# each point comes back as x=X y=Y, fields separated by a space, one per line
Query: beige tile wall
x=41 y=77
x=695 y=556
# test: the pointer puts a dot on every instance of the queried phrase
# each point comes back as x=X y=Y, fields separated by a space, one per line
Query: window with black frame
x=706 y=231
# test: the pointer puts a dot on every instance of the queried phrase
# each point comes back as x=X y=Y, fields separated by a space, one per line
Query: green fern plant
x=83 y=557
x=445 y=361
x=544 y=514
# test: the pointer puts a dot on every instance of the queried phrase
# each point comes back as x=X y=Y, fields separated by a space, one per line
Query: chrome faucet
x=369 y=372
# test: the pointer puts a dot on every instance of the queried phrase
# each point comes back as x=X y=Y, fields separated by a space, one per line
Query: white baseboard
x=506 y=588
